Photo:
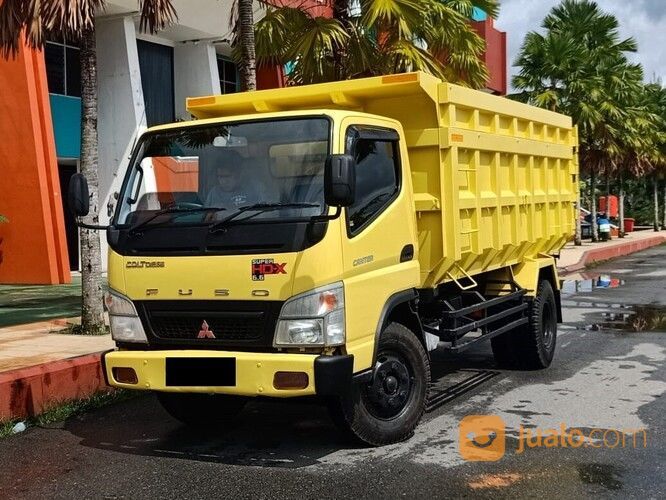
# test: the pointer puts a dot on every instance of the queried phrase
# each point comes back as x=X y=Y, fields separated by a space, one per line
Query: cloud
x=644 y=20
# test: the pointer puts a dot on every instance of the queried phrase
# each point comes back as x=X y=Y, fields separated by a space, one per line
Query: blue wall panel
x=479 y=15
x=66 y=114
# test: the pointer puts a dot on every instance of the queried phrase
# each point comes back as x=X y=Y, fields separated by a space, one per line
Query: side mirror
x=340 y=180
x=78 y=195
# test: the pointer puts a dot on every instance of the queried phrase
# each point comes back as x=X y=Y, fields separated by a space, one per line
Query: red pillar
x=495 y=54
x=33 y=247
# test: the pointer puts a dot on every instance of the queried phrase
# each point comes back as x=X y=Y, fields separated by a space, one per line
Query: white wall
x=121 y=112
x=195 y=73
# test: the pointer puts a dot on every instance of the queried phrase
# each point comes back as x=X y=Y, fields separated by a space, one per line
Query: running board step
x=485 y=336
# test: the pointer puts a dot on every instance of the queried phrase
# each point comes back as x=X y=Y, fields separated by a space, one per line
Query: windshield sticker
x=261 y=267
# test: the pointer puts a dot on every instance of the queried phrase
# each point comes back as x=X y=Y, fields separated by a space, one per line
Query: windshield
x=204 y=174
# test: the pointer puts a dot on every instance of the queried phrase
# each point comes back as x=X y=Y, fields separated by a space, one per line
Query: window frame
x=63 y=45
x=222 y=77
x=380 y=134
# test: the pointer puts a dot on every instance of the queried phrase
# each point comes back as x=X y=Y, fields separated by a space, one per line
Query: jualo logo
x=482 y=438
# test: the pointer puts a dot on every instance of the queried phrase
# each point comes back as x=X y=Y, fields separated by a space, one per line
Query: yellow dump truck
x=323 y=240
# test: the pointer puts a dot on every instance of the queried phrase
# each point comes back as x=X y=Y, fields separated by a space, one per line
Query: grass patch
x=69 y=409
x=6 y=427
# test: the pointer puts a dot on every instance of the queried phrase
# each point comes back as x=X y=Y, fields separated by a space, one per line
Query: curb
x=612 y=252
x=29 y=391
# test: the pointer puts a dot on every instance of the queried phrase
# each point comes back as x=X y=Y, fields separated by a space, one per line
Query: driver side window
x=377 y=175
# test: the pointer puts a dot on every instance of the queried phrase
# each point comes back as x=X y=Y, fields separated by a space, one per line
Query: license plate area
x=199 y=372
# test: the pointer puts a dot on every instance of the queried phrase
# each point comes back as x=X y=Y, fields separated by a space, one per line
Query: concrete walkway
x=41 y=367
x=35 y=343
x=574 y=258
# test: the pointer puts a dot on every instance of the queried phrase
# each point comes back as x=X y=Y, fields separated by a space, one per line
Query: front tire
x=387 y=409
x=201 y=410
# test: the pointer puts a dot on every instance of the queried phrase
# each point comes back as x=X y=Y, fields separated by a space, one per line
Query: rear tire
x=387 y=409
x=538 y=338
x=531 y=346
x=201 y=410
x=503 y=350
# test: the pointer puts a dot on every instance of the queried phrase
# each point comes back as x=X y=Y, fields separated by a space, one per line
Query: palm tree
x=655 y=102
x=33 y=21
x=382 y=37
x=579 y=67
x=641 y=135
x=244 y=41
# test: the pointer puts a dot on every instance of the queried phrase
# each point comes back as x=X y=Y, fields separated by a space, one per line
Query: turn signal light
x=290 y=380
x=124 y=375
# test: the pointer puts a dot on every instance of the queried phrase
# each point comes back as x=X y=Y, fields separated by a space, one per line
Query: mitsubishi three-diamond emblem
x=205 y=332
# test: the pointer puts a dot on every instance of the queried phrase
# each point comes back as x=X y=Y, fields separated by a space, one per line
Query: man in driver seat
x=228 y=192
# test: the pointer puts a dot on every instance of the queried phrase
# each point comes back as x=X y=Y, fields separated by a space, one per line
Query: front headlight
x=123 y=319
x=314 y=318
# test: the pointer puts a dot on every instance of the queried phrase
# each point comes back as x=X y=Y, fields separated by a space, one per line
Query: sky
x=644 y=20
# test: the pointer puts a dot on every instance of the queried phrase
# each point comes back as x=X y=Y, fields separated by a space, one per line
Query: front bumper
x=255 y=372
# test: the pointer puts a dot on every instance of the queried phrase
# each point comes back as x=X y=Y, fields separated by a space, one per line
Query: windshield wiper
x=136 y=228
x=260 y=208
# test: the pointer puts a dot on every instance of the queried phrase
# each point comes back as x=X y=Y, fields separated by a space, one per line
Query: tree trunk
x=247 y=66
x=663 y=226
x=341 y=14
x=92 y=312
x=578 y=238
x=621 y=205
x=655 y=191
x=593 y=205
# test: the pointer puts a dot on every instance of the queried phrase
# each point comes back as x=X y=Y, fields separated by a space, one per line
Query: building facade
x=143 y=80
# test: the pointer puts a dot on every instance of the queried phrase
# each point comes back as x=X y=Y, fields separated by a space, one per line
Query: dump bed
x=494 y=180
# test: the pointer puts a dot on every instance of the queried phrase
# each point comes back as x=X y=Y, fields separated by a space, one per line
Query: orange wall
x=173 y=175
x=33 y=247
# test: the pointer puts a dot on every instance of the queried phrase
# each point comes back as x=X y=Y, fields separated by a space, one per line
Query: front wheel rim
x=391 y=390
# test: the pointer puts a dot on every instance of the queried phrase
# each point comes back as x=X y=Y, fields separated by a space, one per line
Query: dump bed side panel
x=506 y=188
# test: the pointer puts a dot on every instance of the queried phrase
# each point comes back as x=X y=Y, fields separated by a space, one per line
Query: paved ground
x=601 y=378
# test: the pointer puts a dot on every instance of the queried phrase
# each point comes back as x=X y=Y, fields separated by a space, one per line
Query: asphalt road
x=604 y=376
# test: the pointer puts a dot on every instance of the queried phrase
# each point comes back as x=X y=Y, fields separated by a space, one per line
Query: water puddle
x=590 y=284
x=633 y=319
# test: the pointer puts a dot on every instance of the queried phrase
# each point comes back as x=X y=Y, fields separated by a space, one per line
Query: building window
x=63 y=68
x=228 y=76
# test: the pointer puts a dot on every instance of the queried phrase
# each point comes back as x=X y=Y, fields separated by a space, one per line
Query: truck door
x=378 y=234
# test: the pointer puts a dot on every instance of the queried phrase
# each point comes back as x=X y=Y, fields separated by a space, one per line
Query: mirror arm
x=90 y=226
x=322 y=218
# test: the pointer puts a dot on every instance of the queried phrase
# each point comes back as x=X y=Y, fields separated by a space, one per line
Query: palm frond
x=156 y=15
